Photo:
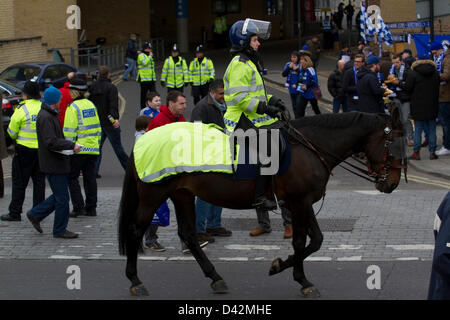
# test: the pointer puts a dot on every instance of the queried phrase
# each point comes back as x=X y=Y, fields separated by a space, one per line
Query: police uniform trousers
x=25 y=165
x=86 y=164
x=181 y=89
x=199 y=92
x=146 y=86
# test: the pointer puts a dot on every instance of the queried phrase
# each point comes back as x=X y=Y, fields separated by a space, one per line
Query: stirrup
x=265 y=204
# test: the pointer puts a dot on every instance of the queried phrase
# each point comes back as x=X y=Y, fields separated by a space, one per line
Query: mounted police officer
x=22 y=129
x=82 y=126
x=248 y=104
x=146 y=72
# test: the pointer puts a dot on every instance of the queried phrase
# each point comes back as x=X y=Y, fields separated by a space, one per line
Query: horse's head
x=386 y=155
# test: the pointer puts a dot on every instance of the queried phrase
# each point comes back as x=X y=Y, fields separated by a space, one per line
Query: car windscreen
x=20 y=73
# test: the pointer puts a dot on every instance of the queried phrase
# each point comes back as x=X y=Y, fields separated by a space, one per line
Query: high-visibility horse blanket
x=182 y=147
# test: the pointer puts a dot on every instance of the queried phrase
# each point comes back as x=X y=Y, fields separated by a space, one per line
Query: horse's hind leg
x=184 y=203
x=144 y=216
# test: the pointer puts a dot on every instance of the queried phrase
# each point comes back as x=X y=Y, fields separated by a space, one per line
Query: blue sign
x=88 y=113
x=181 y=8
x=409 y=25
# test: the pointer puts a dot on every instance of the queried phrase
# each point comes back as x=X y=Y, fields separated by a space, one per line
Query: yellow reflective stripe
x=253 y=102
x=177 y=169
x=26 y=138
x=12 y=133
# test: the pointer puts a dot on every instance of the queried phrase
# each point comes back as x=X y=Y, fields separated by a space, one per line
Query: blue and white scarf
x=400 y=73
x=439 y=61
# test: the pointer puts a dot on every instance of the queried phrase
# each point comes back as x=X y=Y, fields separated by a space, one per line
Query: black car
x=45 y=73
x=12 y=96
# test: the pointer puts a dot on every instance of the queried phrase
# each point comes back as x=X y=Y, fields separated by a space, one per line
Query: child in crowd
x=141 y=126
x=153 y=102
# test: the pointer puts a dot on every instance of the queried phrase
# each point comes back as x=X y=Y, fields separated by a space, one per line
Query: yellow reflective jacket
x=146 y=68
x=82 y=126
x=175 y=75
x=244 y=89
x=201 y=73
x=22 y=126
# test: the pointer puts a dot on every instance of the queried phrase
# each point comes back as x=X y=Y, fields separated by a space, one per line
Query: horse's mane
x=342 y=121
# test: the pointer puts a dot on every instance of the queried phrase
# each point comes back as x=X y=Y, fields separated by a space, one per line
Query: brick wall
x=115 y=20
x=22 y=50
x=442 y=27
x=46 y=18
x=7 y=19
x=398 y=10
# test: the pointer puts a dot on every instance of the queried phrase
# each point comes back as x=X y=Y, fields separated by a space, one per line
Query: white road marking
x=108 y=244
x=259 y=259
x=407 y=259
x=65 y=257
x=352 y=258
x=251 y=247
x=88 y=226
x=346 y=247
x=181 y=259
x=319 y=259
x=410 y=246
x=76 y=246
x=152 y=258
x=95 y=256
x=234 y=259
x=448 y=244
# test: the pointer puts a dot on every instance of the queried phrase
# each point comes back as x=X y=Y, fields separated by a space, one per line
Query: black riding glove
x=268 y=109
x=163 y=84
x=277 y=102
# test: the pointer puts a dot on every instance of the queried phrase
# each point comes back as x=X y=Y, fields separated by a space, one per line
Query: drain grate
x=326 y=225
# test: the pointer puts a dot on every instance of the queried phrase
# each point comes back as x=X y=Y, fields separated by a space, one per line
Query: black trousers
x=84 y=163
x=301 y=107
x=181 y=89
x=199 y=92
x=145 y=87
x=25 y=165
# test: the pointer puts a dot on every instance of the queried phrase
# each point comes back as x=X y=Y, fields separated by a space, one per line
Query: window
x=56 y=72
x=22 y=73
x=273 y=7
x=225 y=6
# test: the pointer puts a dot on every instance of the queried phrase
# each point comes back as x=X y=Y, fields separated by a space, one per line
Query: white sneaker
x=443 y=152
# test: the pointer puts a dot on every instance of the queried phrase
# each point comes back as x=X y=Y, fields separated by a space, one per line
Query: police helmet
x=242 y=30
x=147 y=45
x=175 y=48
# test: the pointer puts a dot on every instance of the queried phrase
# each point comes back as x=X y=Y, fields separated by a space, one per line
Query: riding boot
x=261 y=202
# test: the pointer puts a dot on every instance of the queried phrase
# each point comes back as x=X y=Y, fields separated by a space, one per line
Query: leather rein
x=373 y=175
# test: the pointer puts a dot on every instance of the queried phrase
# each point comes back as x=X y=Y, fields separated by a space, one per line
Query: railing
x=89 y=59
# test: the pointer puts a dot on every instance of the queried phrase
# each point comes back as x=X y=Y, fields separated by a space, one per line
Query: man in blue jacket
x=369 y=88
x=440 y=273
x=131 y=56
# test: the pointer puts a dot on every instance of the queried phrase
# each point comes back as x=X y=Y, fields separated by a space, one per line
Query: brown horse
x=336 y=136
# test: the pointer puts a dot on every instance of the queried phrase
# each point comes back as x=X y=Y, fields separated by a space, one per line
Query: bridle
x=371 y=174
x=381 y=174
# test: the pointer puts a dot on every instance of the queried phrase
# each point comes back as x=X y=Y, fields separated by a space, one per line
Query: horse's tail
x=128 y=208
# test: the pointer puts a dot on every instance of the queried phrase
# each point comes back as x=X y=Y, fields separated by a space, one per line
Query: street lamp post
x=431 y=3
x=299 y=13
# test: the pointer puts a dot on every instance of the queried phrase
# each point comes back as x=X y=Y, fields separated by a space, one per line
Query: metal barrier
x=89 y=59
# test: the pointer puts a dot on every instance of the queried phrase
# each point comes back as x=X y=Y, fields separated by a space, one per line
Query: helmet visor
x=257 y=27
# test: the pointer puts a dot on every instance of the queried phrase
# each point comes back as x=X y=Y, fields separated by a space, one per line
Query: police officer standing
x=146 y=72
x=248 y=104
x=175 y=73
x=202 y=73
x=82 y=126
x=22 y=129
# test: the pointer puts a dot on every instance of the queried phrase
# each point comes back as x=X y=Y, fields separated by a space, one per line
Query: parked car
x=12 y=96
x=45 y=73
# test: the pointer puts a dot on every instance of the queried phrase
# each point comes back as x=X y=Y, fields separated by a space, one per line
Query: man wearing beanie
x=82 y=126
x=55 y=164
x=25 y=165
x=369 y=88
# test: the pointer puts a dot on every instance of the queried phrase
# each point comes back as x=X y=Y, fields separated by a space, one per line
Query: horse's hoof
x=311 y=292
x=275 y=267
x=219 y=286
x=139 y=291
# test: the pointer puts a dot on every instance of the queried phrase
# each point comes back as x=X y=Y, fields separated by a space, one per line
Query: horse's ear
x=395 y=116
